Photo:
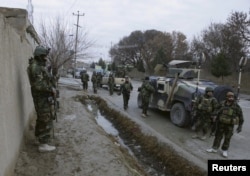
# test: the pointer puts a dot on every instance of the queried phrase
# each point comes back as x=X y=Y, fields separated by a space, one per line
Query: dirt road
x=83 y=147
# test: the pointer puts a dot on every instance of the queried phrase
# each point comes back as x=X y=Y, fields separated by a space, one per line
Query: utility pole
x=77 y=26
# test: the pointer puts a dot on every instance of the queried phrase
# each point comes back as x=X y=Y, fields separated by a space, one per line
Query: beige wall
x=16 y=104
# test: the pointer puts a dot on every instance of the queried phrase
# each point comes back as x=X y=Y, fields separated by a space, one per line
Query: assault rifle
x=213 y=126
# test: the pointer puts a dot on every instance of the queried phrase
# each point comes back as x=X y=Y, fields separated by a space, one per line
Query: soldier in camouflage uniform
x=111 y=82
x=85 y=79
x=42 y=91
x=126 y=89
x=205 y=111
x=229 y=114
x=99 y=79
x=94 y=81
x=146 y=90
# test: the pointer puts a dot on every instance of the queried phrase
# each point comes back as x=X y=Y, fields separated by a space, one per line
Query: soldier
x=85 y=79
x=94 y=81
x=205 y=111
x=111 y=82
x=229 y=114
x=42 y=91
x=99 y=79
x=146 y=90
x=126 y=89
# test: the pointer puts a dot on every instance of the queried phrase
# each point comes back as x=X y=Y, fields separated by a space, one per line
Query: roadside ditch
x=155 y=157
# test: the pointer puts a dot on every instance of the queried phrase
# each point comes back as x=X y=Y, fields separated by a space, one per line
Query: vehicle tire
x=139 y=101
x=220 y=92
x=179 y=116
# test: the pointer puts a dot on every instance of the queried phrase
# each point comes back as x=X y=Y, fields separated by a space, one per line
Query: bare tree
x=58 y=35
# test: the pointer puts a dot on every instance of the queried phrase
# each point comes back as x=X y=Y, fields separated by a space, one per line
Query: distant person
x=229 y=115
x=126 y=89
x=94 y=81
x=85 y=80
x=146 y=90
x=99 y=79
x=43 y=91
x=111 y=82
x=205 y=113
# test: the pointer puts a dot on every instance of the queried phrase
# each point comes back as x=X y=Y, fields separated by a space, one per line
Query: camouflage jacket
x=40 y=79
x=230 y=112
x=94 y=78
x=146 y=89
x=84 y=77
x=111 y=80
x=206 y=104
x=126 y=88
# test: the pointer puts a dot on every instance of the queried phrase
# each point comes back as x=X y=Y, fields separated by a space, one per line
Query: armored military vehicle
x=177 y=91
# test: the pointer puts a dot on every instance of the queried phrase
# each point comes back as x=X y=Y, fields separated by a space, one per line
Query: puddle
x=105 y=124
x=110 y=129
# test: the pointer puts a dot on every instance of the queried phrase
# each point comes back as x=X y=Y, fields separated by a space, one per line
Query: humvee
x=177 y=92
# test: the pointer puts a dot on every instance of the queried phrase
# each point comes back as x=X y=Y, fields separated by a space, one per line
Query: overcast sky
x=108 y=21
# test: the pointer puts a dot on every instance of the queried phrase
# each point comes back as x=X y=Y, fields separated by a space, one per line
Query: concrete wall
x=17 y=41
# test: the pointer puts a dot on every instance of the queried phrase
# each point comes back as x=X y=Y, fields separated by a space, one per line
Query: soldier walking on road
x=146 y=90
x=229 y=114
x=94 y=81
x=111 y=82
x=99 y=79
x=42 y=91
x=205 y=112
x=85 y=79
x=126 y=89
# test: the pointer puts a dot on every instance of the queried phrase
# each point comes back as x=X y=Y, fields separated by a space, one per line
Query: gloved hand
x=239 y=129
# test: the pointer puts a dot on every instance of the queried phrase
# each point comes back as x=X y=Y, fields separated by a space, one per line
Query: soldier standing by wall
x=85 y=79
x=205 y=112
x=126 y=89
x=42 y=91
x=229 y=114
x=94 y=81
x=146 y=90
x=111 y=82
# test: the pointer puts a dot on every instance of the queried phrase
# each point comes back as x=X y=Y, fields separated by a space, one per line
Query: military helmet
x=40 y=50
x=209 y=89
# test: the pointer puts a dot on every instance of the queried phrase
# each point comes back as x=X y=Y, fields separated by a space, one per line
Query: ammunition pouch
x=205 y=108
x=229 y=120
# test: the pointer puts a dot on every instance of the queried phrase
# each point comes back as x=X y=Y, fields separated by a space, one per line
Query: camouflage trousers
x=226 y=131
x=145 y=103
x=95 y=87
x=85 y=85
x=111 y=89
x=44 y=122
x=203 y=123
x=126 y=97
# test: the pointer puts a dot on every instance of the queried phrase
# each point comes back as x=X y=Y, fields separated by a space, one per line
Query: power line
x=77 y=26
